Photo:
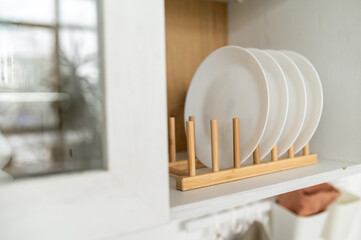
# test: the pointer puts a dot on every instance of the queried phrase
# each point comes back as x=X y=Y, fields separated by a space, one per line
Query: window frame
x=132 y=193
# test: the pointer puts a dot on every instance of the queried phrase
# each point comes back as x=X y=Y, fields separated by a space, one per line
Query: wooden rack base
x=185 y=182
x=185 y=170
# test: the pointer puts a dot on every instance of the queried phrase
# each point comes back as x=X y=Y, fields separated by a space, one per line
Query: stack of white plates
x=277 y=95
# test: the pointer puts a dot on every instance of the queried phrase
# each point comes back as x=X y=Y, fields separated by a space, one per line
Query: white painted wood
x=172 y=231
x=232 y=224
x=132 y=193
x=207 y=200
x=258 y=210
x=328 y=33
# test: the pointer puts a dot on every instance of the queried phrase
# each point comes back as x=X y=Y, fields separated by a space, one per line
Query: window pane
x=79 y=49
x=31 y=50
x=51 y=101
x=78 y=12
x=83 y=119
x=33 y=11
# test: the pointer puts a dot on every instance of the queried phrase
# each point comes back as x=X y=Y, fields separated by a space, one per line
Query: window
x=51 y=87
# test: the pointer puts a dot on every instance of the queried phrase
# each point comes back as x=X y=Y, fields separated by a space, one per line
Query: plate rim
x=280 y=153
x=284 y=82
x=319 y=91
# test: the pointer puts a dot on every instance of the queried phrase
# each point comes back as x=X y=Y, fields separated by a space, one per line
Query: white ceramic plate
x=229 y=83
x=314 y=99
x=278 y=97
x=297 y=101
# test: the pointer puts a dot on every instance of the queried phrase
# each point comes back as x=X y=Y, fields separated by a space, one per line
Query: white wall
x=328 y=33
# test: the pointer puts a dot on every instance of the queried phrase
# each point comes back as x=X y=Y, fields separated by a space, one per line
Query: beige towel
x=256 y=232
x=309 y=201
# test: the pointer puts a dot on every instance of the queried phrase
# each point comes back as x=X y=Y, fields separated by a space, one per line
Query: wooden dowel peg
x=274 y=153
x=172 y=143
x=306 y=150
x=291 y=153
x=236 y=144
x=214 y=140
x=256 y=156
x=191 y=149
x=192 y=119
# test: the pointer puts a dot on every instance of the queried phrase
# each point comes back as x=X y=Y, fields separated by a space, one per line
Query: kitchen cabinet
x=152 y=49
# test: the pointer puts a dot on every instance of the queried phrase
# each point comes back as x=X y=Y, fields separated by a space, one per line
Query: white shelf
x=207 y=200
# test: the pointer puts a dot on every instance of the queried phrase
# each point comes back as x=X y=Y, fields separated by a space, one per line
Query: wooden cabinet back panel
x=194 y=29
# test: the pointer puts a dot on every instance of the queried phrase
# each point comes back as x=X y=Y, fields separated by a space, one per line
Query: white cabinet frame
x=132 y=193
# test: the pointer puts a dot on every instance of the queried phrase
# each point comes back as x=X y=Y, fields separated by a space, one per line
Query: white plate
x=314 y=99
x=278 y=97
x=297 y=101
x=229 y=83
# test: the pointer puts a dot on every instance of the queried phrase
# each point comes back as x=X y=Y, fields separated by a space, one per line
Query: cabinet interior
x=194 y=29
x=329 y=37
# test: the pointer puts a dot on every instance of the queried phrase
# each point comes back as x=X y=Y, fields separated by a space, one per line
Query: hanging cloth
x=309 y=201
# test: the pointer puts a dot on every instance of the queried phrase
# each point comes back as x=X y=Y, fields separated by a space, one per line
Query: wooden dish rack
x=185 y=170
